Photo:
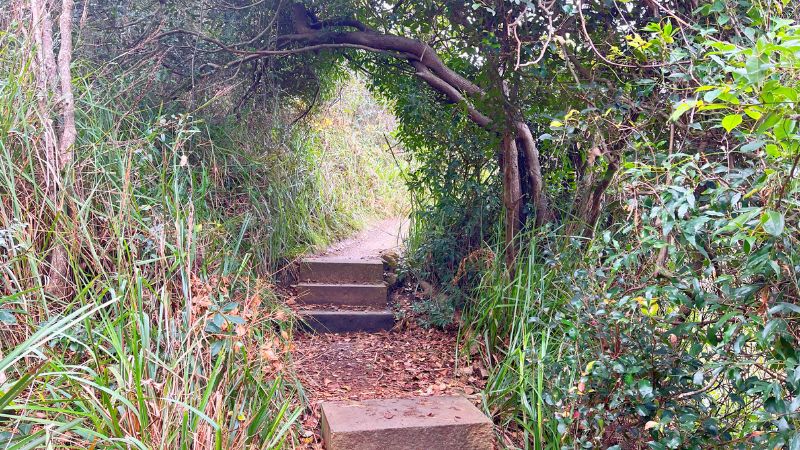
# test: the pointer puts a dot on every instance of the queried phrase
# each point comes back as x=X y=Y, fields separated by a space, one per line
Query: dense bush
x=675 y=324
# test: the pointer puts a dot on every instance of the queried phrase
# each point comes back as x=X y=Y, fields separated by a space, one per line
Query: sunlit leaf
x=731 y=121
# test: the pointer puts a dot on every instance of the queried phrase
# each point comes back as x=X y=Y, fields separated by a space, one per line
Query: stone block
x=340 y=270
x=422 y=423
x=340 y=321
x=375 y=295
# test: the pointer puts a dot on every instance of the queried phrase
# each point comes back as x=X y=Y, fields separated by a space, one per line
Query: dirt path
x=386 y=234
x=406 y=362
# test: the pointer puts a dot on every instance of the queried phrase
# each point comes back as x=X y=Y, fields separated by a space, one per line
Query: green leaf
x=772 y=222
x=752 y=146
x=710 y=96
x=731 y=121
x=645 y=388
x=698 y=377
x=681 y=108
x=773 y=151
x=7 y=317
x=794 y=444
x=26 y=379
x=753 y=113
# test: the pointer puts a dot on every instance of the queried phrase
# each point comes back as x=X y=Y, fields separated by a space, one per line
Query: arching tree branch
x=311 y=34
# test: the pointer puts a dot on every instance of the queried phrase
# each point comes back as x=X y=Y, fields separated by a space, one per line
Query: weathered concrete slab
x=342 y=294
x=340 y=270
x=422 y=423
x=338 y=321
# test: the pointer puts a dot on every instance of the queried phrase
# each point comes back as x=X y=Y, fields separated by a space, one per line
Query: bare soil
x=408 y=361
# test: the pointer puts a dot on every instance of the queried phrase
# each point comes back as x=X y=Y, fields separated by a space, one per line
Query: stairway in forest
x=343 y=294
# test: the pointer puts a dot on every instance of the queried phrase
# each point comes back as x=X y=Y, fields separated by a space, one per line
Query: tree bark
x=591 y=190
x=58 y=283
x=68 y=133
x=54 y=80
x=46 y=83
x=512 y=197
x=543 y=212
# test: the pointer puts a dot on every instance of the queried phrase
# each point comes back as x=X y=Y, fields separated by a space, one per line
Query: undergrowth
x=174 y=337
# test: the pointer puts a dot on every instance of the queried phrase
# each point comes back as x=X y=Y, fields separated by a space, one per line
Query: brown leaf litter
x=411 y=362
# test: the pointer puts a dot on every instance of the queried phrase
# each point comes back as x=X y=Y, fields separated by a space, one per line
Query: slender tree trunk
x=58 y=283
x=67 y=100
x=512 y=196
x=591 y=190
x=54 y=81
x=46 y=85
x=543 y=212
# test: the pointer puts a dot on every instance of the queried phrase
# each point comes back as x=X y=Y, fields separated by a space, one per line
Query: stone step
x=342 y=294
x=422 y=423
x=339 y=321
x=340 y=270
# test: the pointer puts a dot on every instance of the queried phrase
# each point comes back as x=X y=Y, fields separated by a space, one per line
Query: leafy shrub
x=676 y=326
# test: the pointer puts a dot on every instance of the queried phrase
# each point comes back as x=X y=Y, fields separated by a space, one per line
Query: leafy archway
x=492 y=60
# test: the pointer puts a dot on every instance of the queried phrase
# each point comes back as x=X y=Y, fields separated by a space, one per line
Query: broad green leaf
x=681 y=108
x=698 y=377
x=772 y=222
x=753 y=113
x=773 y=151
x=752 y=146
x=645 y=388
x=731 y=121
x=710 y=96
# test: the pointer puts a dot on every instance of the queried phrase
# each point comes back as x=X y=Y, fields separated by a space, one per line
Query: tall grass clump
x=170 y=339
x=173 y=336
x=517 y=318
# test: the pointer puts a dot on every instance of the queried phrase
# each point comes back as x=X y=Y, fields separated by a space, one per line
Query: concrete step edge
x=342 y=285
x=341 y=260
x=344 y=321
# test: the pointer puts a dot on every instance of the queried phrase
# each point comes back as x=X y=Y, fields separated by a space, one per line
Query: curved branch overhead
x=311 y=34
x=491 y=102
x=432 y=70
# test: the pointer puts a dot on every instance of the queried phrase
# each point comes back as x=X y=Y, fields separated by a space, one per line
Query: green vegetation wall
x=175 y=218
